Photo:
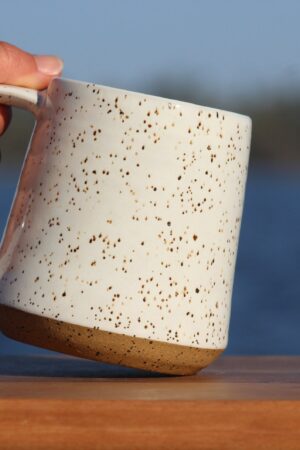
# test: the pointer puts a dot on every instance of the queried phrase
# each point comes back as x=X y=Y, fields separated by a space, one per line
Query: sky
x=234 y=47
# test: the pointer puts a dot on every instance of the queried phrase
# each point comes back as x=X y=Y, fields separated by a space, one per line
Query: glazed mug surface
x=121 y=242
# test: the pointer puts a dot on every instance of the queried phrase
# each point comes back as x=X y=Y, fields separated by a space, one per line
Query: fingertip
x=21 y=68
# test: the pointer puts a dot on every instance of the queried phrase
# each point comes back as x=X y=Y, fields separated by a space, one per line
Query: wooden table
x=56 y=402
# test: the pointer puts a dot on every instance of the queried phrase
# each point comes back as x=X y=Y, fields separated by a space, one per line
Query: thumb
x=24 y=69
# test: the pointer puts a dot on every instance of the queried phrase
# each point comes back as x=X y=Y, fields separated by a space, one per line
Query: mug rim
x=179 y=103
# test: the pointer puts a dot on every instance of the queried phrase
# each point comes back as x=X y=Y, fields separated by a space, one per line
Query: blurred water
x=266 y=300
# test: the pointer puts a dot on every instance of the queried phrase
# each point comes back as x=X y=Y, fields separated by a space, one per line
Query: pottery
x=122 y=239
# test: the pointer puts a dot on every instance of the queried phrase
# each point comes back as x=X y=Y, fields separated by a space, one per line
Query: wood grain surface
x=57 y=402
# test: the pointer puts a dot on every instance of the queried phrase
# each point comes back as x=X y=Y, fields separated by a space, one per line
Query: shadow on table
x=66 y=367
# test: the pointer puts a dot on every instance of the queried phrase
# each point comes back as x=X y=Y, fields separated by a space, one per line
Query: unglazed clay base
x=102 y=345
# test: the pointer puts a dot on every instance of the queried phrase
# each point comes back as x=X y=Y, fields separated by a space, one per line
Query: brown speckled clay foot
x=102 y=345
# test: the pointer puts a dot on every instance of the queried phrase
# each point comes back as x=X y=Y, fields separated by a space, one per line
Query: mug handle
x=25 y=98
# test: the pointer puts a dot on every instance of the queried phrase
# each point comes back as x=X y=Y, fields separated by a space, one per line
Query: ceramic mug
x=122 y=238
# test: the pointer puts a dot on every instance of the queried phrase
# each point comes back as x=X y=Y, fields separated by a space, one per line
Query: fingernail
x=49 y=65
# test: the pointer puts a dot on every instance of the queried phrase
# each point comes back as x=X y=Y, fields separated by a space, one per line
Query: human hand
x=20 y=68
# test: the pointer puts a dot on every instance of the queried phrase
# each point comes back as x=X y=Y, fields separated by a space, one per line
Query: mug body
x=122 y=239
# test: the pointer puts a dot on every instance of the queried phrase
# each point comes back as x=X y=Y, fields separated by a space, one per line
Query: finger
x=5 y=116
x=23 y=69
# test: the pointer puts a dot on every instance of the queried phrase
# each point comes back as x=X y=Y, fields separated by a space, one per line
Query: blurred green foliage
x=276 y=131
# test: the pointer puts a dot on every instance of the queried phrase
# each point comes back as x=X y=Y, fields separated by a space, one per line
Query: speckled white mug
x=122 y=239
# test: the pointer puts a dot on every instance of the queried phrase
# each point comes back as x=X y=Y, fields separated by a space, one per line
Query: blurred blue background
x=242 y=56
